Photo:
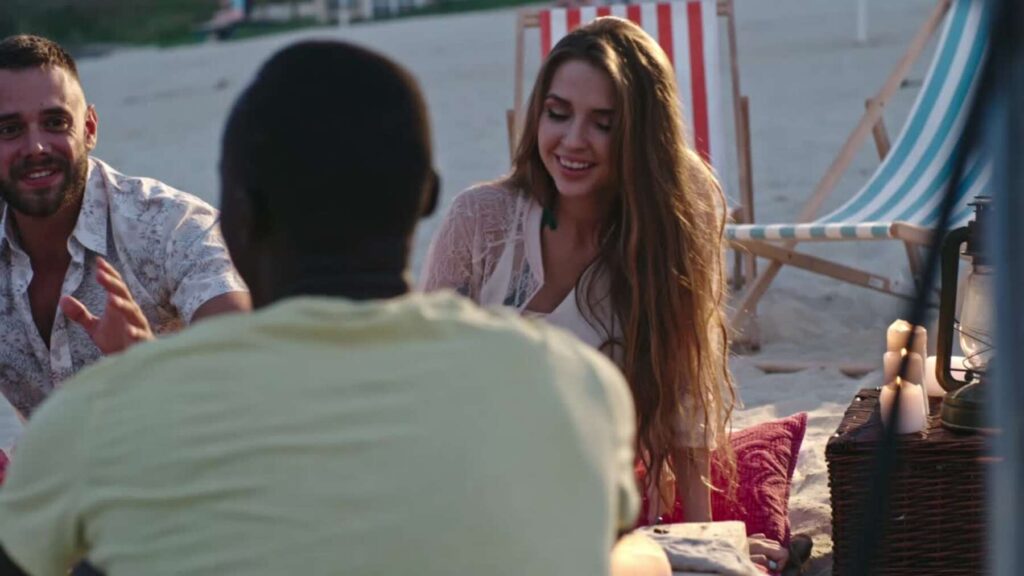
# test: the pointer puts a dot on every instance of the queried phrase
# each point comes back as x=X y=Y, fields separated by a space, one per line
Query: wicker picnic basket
x=937 y=496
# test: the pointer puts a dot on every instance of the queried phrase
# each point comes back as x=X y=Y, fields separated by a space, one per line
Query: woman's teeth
x=573 y=165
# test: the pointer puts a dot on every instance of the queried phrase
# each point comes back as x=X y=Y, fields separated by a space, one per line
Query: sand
x=161 y=113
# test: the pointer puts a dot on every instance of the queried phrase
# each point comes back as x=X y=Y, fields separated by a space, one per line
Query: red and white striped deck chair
x=687 y=30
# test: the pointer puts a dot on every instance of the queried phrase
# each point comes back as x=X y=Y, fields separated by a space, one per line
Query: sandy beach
x=161 y=113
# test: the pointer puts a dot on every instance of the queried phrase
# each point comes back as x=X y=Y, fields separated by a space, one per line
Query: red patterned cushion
x=766 y=456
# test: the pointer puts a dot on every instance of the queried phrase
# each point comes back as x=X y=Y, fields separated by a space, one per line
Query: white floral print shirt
x=165 y=243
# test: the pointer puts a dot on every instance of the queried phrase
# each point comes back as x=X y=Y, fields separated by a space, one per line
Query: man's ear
x=92 y=127
x=433 y=192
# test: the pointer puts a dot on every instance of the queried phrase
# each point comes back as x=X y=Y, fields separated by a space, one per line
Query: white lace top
x=488 y=249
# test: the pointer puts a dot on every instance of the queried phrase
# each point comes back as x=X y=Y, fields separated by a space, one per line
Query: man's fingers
x=112 y=283
x=759 y=559
x=111 y=270
x=102 y=263
x=107 y=267
x=128 y=310
x=135 y=322
x=111 y=279
x=119 y=296
x=78 y=313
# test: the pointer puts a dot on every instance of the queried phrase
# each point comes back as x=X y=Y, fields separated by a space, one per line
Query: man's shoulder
x=521 y=358
x=210 y=337
x=514 y=337
x=154 y=223
x=140 y=197
x=488 y=338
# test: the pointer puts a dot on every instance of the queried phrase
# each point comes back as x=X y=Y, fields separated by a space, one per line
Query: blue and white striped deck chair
x=901 y=199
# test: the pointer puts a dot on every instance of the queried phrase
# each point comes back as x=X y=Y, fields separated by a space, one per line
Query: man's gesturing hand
x=122 y=323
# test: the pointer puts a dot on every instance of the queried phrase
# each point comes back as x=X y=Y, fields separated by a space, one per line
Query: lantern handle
x=947 y=308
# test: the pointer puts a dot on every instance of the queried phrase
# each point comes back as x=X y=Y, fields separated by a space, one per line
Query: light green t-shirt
x=416 y=436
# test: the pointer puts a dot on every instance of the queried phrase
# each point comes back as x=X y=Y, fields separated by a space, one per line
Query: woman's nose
x=575 y=135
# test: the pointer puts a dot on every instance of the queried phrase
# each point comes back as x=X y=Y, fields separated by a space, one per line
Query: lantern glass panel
x=976 y=323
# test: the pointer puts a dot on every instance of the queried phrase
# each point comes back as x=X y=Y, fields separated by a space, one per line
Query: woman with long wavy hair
x=610 y=226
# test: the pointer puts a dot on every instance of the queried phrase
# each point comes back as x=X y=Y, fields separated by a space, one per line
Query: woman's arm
x=449 y=262
x=692 y=466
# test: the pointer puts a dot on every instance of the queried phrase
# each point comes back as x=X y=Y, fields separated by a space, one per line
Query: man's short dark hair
x=27 y=51
x=333 y=141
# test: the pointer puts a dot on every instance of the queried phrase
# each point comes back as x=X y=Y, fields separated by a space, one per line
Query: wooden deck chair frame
x=744 y=263
x=871 y=123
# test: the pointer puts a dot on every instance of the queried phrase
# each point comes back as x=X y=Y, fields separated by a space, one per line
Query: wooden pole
x=740 y=108
x=862 y=21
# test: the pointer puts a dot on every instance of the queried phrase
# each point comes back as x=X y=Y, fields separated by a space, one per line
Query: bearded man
x=91 y=261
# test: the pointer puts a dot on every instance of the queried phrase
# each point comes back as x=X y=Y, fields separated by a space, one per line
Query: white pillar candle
x=891 y=366
x=914 y=374
x=912 y=415
x=891 y=362
x=931 y=379
x=915 y=368
x=921 y=344
x=897 y=338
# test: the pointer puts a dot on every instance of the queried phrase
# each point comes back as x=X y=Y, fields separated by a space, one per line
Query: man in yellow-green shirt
x=348 y=426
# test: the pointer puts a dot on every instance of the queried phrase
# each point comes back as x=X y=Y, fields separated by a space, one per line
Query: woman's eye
x=555 y=115
x=604 y=127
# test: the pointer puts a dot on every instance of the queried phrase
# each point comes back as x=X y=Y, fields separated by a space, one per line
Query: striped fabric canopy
x=688 y=33
x=909 y=184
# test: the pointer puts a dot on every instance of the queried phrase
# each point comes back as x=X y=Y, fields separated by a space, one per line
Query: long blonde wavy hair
x=661 y=245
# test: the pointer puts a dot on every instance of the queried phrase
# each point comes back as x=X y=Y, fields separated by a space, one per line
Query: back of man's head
x=26 y=51
x=331 y=146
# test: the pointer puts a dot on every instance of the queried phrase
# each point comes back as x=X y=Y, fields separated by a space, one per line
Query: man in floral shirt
x=91 y=260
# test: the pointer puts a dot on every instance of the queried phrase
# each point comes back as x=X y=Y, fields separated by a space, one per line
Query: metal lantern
x=975 y=327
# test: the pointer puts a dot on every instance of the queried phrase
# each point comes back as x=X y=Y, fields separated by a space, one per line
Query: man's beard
x=43 y=203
